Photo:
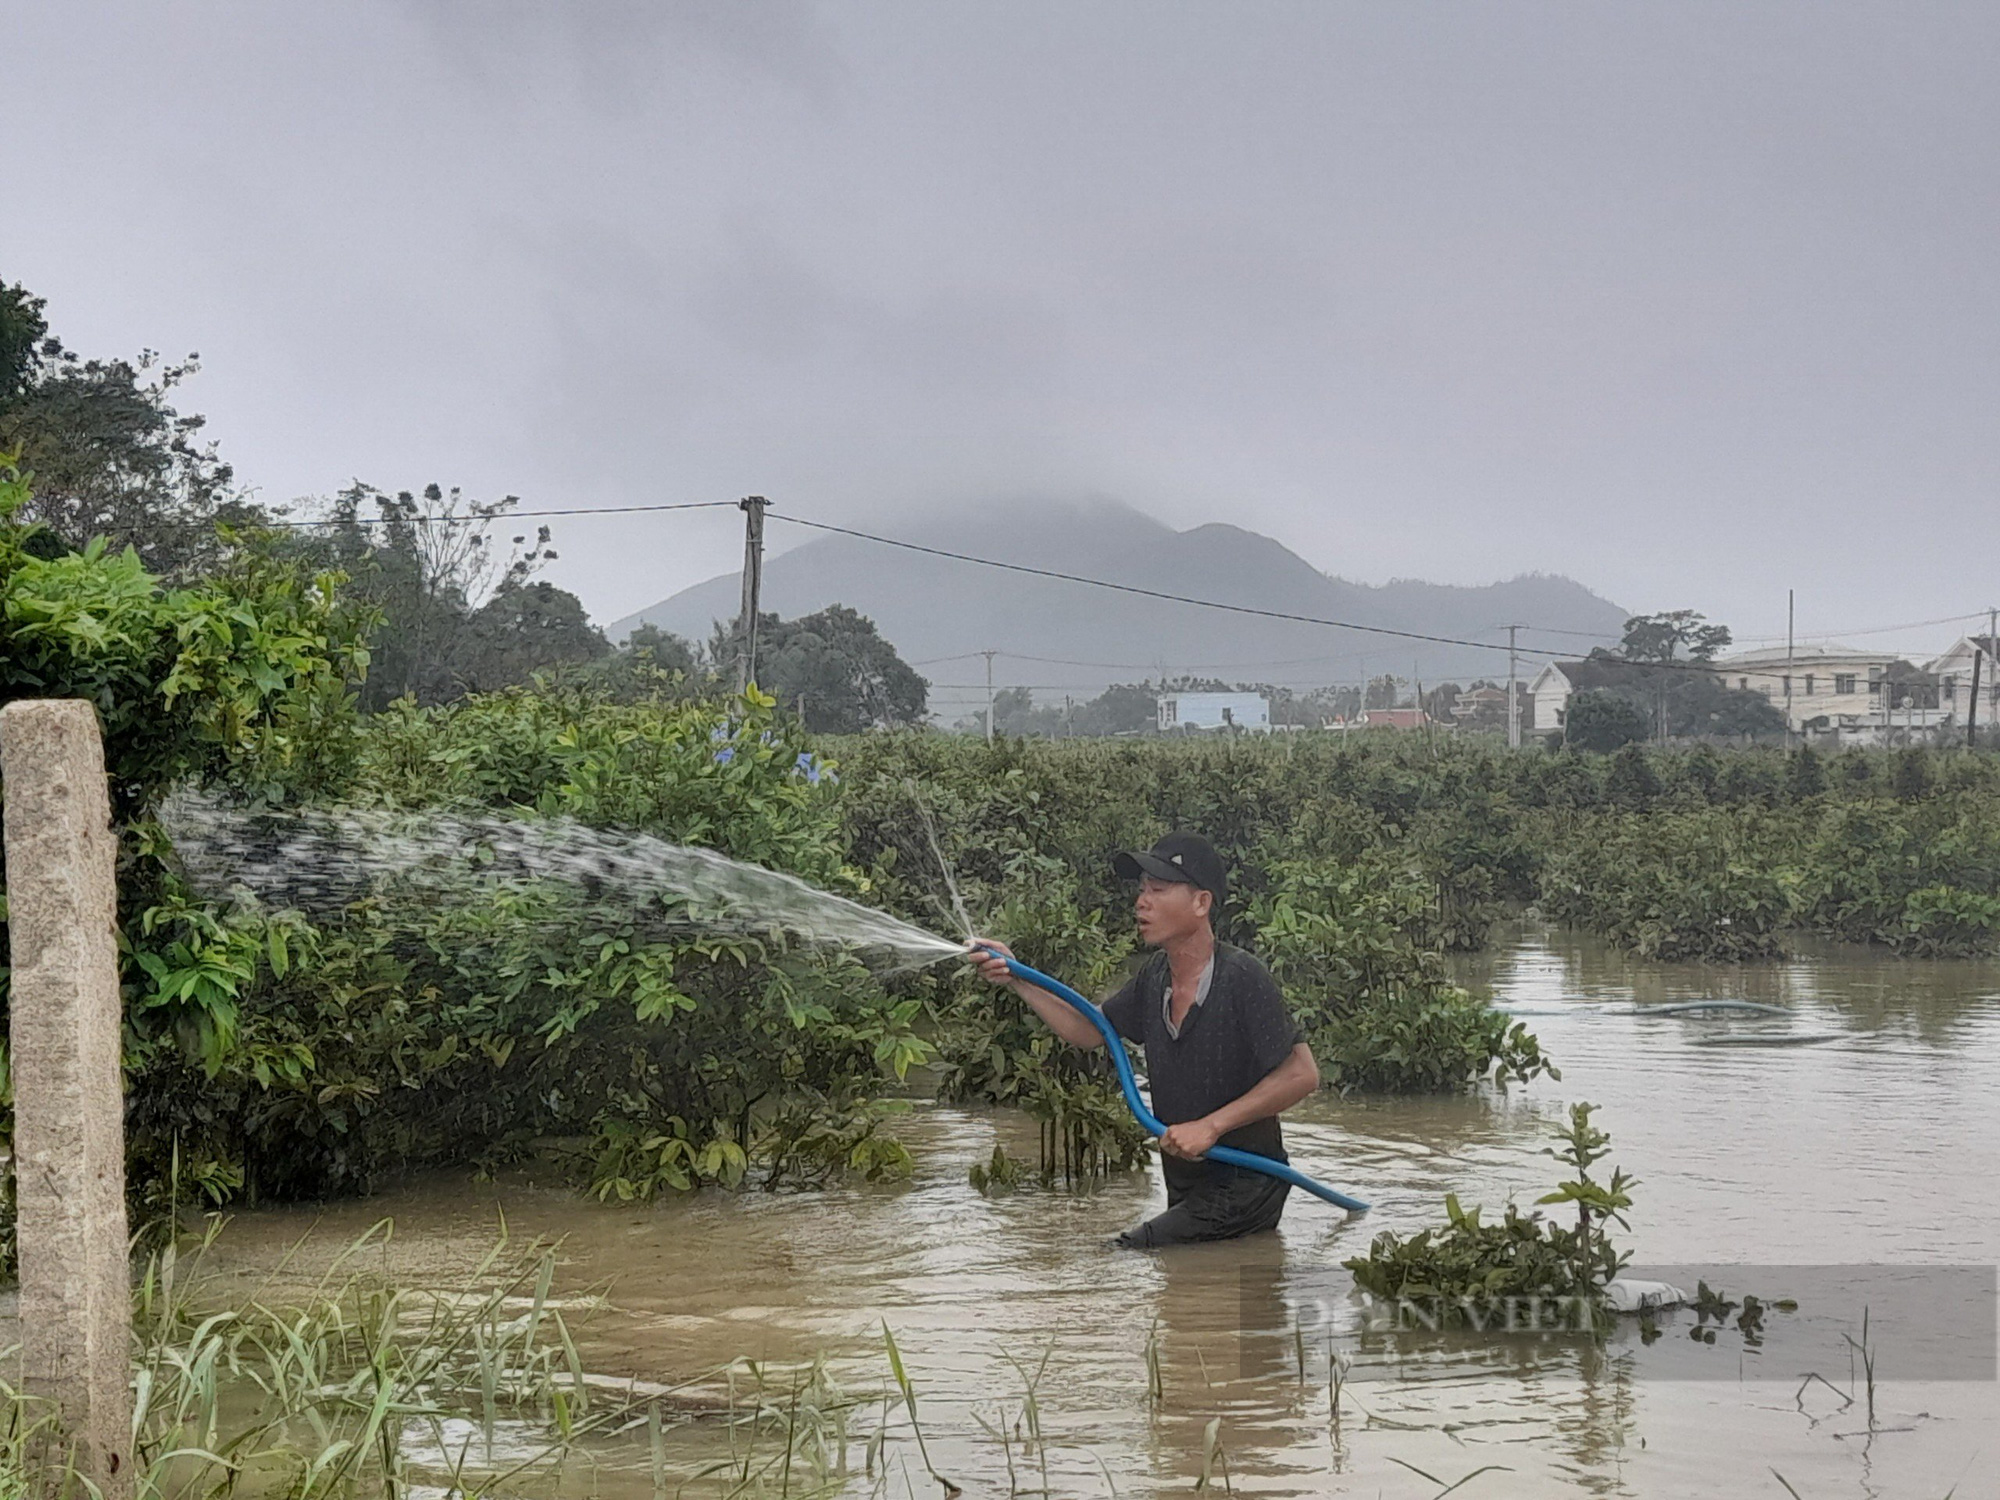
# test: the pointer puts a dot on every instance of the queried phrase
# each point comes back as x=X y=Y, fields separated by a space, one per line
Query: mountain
x=1061 y=637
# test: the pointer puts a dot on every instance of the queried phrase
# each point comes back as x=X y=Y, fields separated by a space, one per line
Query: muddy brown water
x=1873 y=1150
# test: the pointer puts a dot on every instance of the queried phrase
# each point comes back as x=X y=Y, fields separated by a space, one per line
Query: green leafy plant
x=1379 y=1008
x=1473 y=1273
x=998 y=1174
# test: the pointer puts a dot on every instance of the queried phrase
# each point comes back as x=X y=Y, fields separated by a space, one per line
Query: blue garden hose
x=1228 y=1155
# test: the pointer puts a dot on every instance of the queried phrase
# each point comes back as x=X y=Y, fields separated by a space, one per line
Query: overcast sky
x=1690 y=302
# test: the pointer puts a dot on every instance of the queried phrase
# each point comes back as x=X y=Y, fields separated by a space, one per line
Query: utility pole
x=1972 y=704
x=1513 y=703
x=1993 y=650
x=752 y=507
x=1790 y=606
x=989 y=655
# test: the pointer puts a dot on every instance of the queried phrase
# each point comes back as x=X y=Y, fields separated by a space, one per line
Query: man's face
x=1169 y=910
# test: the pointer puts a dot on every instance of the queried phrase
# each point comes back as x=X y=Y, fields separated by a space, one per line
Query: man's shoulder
x=1243 y=972
x=1153 y=971
x=1239 y=962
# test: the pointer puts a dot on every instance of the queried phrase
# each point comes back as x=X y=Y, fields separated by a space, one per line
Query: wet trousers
x=1231 y=1203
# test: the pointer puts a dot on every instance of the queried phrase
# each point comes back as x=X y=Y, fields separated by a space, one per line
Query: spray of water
x=320 y=861
x=957 y=909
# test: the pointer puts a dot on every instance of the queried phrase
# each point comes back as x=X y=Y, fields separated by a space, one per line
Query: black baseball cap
x=1186 y=857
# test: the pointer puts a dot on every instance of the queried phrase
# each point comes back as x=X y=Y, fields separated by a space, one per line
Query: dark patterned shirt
x=1228 y=1044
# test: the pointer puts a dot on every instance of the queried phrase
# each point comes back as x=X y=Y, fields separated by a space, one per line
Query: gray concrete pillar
x=69 y=1105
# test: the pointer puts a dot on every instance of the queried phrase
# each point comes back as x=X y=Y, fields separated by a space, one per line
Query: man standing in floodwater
x=1224 y=1057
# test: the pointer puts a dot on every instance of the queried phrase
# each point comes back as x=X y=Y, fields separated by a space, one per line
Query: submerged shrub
x=993 y=1049
x=1678 y=885
x=1469 y=1272
x=1378 y=1007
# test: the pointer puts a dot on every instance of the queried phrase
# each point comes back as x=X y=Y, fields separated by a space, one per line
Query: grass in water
x=349 y=1385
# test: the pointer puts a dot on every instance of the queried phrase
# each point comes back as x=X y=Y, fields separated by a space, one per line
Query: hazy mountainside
x=935 y=609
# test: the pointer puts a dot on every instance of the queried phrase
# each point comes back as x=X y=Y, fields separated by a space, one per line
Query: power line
x=1822 y=635
x=1133 y=588
x=500 y=516
x=1703 y=667
x=412 y=518
x=1146 y=666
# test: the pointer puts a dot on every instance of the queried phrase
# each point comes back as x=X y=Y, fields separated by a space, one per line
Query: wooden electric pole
x=1513 y=700
x=1791 y=607
x=752 y=507
x=1972 y=704
x=989 y=655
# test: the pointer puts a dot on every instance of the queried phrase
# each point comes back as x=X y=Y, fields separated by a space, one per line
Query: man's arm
x=1278 y=1090
x=1064 y=1019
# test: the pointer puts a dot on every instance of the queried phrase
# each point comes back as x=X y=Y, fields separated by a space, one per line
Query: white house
x=1184 y=711
x=1482 y=706
x=1953 y=671
x=1829 y=687
x=1550 y=692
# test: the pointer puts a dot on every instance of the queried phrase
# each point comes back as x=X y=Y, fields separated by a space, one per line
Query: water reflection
x=1872 y=1148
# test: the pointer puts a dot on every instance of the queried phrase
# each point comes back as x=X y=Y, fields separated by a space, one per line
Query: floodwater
x=1849 y=1172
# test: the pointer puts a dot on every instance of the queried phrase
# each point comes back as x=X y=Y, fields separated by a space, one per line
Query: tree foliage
x=1601 y=720
x=457 y=613
x=833 y=668
x=111 y=454
x=1676 y=635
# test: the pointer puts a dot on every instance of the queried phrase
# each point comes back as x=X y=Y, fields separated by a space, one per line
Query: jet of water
x=319 y=861
x=937 y=851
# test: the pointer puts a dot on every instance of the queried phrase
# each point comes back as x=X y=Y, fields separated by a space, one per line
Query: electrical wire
x=1133 y=588
x=776 y=514
x=1611 y=662
x=500 y=516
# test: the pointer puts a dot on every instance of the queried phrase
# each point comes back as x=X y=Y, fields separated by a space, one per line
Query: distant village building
x=1212 y=711
x=1847 y=695
x=1550 y=692
x=1834 y=689
x=1393 y=718
x=1485 y=707
x=1953 y=672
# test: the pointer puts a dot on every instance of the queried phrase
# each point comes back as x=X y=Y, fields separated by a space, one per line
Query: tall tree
x=1603 y=721
x=526 y=628
x=110 y=452
x=22 y=330
x=652 y=664
x=1676 y=635
x=1383 y=691
x=1682 y=700
x=1013 y=713
x=1440 y=700
x=1122 y=708
x=460 y=610
x=834 y=667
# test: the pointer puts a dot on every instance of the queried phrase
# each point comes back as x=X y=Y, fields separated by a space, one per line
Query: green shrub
x=993 y=1049
x=1677 y=885
x=1470 y=1273
x=543 y=1010
x=246 y=676
x=1378 y=1007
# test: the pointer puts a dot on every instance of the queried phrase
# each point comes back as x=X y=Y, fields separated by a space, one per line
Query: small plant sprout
x=1584 y=1145
x=1213 y=1458
x=1156 y=1384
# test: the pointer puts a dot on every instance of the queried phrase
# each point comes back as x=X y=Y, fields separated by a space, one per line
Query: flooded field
x=1858 y=1131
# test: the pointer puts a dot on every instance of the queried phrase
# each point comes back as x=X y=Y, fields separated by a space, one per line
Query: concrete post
x=69 y=1107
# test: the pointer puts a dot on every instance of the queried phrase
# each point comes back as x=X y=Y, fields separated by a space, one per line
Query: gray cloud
x=1692 y=302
